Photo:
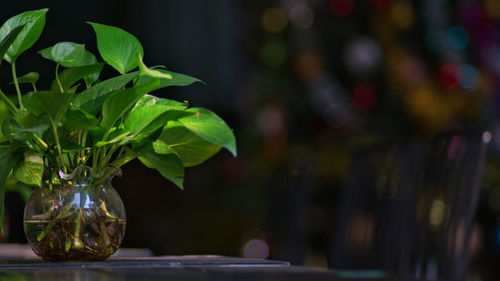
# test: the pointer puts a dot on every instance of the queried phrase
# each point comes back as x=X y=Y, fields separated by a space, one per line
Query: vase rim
x=84 y=173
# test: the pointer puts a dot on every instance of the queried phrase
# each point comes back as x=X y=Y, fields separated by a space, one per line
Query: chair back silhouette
x=409 y=208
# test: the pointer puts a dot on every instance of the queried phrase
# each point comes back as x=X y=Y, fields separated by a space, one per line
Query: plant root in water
x=64 y=239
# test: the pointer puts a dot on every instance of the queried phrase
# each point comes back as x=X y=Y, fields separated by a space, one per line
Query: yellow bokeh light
x=402 y=15
x=437 y=213
x=493 y=8
x=274 y=20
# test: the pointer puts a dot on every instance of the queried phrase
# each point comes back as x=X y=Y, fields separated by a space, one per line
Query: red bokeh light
x=341 y=7
x=380 y=4
x=364 y=97
x=448 y=76
x=234 y=169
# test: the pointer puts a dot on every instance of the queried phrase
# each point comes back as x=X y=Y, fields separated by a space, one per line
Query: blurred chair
x=290 y=203
x=409 y=208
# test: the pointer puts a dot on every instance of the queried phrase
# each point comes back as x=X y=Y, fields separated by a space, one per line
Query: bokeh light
x=448 y=76
x=274 y=53
x=362 y=55
x=301 y=16
x=437 y=213
x=364 y=97
x=493 y=8
x=458 y=37
x=255 y=248
x=469 y=77
x=403 y=15
x=381 y=4
x=274 y=20
x=341 y=7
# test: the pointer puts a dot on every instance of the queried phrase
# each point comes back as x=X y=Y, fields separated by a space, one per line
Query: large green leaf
x=158 y=82
x=23 y=124
x=75 y=118
x=8 y=40
x=53 y=103
x=189 y=147
x=70 y=76
x=169 y=165
x=8 y=159
x=119 y=103
x=68 y=54
x=117 y=47
x=151 y=72
x=92 y=99
x=34 y=21
x=210 y=127
x=30 y=170
x=149 y=113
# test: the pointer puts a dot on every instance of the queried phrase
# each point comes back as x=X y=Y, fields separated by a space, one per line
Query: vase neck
x=85 y=175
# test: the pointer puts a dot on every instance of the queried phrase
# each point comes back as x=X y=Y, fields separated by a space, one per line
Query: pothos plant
x=84 y=119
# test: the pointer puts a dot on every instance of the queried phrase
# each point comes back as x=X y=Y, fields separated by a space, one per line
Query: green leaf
x=68 y=54
x=155 y=83
x=119 y=103
x=30 y=170
x=190 y=148
x=75 y=118
x=92 y=99
x=68 y=147
x=6 y=100
x=148 y=115
x=97 y=132
x=23 y=124
x=8 y=40
x=70 y=76
x=53 y=103
x=210 y=127
x=117 y=135
x=169 y=165
x=151 y=72
x=8 y=159
x=31 y=78
x=34 y=21
x=92 y=78
x=117 y=47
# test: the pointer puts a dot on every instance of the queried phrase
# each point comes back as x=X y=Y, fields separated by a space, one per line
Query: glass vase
x=77 y=216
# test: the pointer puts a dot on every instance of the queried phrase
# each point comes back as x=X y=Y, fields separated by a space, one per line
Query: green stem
x=58 y=145
x=108 y=156
x=122 y=161
x=16 y=84
x=102 y=158
x=57 y=79
x=81 y=141
x=95 y=157
x=34 y=87
x=40 y=142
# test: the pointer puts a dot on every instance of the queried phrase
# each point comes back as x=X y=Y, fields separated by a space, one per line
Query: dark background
x=303 y=84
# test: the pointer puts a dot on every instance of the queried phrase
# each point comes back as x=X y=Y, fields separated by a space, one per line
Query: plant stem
x=40 y=142
x=57 y=79
x=16 y=84
x=122 y=161
x=81 y=141
x=108 y=155
x=95 y=157
x=102 y=158
x=58 y=145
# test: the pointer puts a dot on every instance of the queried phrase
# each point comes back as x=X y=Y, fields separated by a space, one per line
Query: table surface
x=178 y=268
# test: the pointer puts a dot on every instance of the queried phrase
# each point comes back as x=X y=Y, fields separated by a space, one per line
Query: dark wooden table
x=178 y=268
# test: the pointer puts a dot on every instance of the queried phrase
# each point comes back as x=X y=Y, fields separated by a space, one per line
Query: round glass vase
x=77 y=216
